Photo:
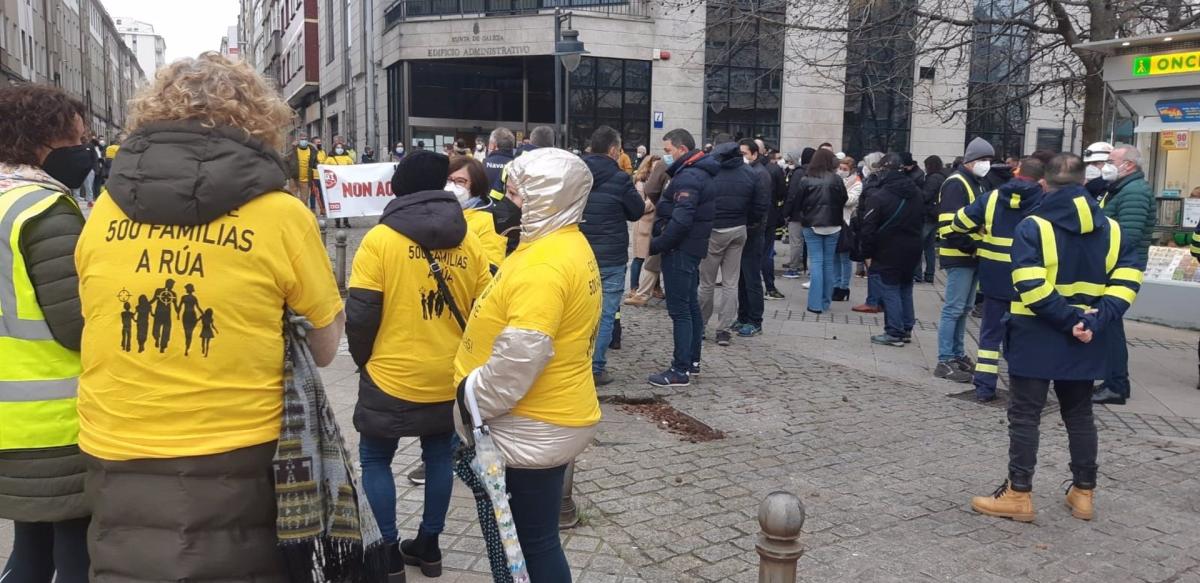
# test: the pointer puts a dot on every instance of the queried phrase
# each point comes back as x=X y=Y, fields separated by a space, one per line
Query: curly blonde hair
x=217 y=92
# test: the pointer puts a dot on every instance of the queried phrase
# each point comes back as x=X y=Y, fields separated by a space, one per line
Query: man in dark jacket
x=935 y=175
x=891 y=239
x=750 y=286
x=957 y=254
x=682 y=225
x=734 y=189
x=995 y=215
x=779 y=186
x=500 y=153
x=612 y=202
x=1130 y=202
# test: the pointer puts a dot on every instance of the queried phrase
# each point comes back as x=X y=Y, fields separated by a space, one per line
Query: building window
x=434 y=7
x=743 y=71
x=330 y=41
x=880 y=57
x=611 y=92
x=996 y=107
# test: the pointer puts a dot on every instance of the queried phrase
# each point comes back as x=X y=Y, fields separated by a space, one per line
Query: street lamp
x=568 y=51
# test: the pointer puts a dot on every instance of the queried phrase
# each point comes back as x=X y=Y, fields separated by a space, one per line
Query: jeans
x=797 y=259
x=991 y=336
x=843 y=270
x=1025 y=414
x=750 y=288
x=768 y=261
x=928 y=240
x=45 y=551
x=961 y=283
x=822 y=250
x=635 y=272
x=897 y=301
x=873 y=292
x=376 y=454
x=612 y=280
x=535 y=497
x=1117 y=376
x=725 y=257
x=681 y=282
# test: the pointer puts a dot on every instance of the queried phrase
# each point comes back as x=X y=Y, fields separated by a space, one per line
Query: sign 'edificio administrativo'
x=494 y=45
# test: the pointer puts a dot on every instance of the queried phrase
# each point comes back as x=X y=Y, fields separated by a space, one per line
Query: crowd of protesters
x=492 y=284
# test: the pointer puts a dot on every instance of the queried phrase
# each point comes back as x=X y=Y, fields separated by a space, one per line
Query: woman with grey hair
x=526 y=354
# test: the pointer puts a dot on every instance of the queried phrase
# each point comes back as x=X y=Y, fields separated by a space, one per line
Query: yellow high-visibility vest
x=38 y=376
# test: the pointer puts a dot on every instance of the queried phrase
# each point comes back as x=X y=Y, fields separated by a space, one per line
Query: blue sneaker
x=887 y=340
x=694 y=370
x=791 y=274
x=670 y=378
x=748 y=330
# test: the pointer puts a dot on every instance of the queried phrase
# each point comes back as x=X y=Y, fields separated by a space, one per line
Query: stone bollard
x=324 y=231
x=568 y=513
x=339 y=254
x=781 y=516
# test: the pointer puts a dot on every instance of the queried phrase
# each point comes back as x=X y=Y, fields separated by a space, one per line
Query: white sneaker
x=806 y=285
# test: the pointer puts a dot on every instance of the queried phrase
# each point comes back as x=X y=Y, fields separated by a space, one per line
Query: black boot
x=841 y=294
x=423 y=552
x=395 y=564
x=615 y=344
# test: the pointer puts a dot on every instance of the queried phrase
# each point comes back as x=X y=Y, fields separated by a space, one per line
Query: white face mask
x=782 y=163
x=747 y=160
x=1091 y=173
x=981 y=168
x=1109 y=172
x=460 y=192
x=843 y=173
x=866 y=171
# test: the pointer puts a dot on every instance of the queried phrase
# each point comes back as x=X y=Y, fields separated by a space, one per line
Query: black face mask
x=69 y=165
x=506 y=215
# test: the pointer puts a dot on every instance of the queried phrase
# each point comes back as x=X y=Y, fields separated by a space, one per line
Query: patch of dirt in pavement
x=673 y=420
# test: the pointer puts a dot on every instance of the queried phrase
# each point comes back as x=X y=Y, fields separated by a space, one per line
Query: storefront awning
x=1151 y=125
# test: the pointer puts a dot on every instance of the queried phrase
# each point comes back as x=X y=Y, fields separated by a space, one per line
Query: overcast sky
x=189 y=27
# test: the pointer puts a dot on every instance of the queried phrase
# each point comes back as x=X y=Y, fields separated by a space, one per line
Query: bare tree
x=1019 y=50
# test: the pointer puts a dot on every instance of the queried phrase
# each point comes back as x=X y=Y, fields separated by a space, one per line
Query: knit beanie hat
x=978 y=148
x=420 y=171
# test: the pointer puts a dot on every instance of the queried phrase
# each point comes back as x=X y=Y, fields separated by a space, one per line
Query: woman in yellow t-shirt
x=201 y=237
x=527 y=350
x=470 y=186
x=403 y=331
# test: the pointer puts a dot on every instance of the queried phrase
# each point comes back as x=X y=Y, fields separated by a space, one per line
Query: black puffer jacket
x=816 y=201
x=891 y=227
x=933 y=184
x=612 y=203
x=734 y=187
x=434 y=220
x=684 y=215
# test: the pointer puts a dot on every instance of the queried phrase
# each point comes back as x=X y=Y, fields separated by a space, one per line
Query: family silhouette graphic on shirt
x=433 y=302
x=155 y=315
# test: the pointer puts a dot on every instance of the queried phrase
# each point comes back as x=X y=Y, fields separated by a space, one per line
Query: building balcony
x=401 y=10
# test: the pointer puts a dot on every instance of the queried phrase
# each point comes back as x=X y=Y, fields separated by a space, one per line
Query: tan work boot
x=1006 y=503
x=1081 y=502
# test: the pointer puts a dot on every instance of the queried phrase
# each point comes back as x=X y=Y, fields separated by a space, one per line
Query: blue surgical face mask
x=668 y=159
x=303 y=143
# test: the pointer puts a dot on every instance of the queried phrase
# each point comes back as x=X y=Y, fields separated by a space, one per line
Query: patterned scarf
x=326 y=530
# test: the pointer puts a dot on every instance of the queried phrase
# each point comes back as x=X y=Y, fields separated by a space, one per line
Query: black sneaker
x=602 y=378
x=417 y=476
x=669 y=378
x=723 y=337
x=951 y=371
x=694 y=370
x=773 y=294
x=965 y=363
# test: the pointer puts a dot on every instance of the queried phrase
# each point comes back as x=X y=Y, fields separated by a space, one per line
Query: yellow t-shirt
x=111 y=151
x=413 y=355
x=551 y=285
x=483 y=224
x=302 y=157
x=183 y=336
x=336 y=160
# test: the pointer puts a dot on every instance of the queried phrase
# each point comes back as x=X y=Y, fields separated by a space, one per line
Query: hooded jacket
x=817 y=201
x=1130 y=201
x=612 y=203
x=995 y=216
x=960 y=189
x=1068 y=258
x=735 y=188
x=526 y=353
x=684 y=217
x=890 y=234
x=397 y=394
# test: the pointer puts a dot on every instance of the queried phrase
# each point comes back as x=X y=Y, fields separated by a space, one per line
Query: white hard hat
x=1097 y=152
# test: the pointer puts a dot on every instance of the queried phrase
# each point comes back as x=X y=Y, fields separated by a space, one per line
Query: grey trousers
x=724 y=257
x=796 y=243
